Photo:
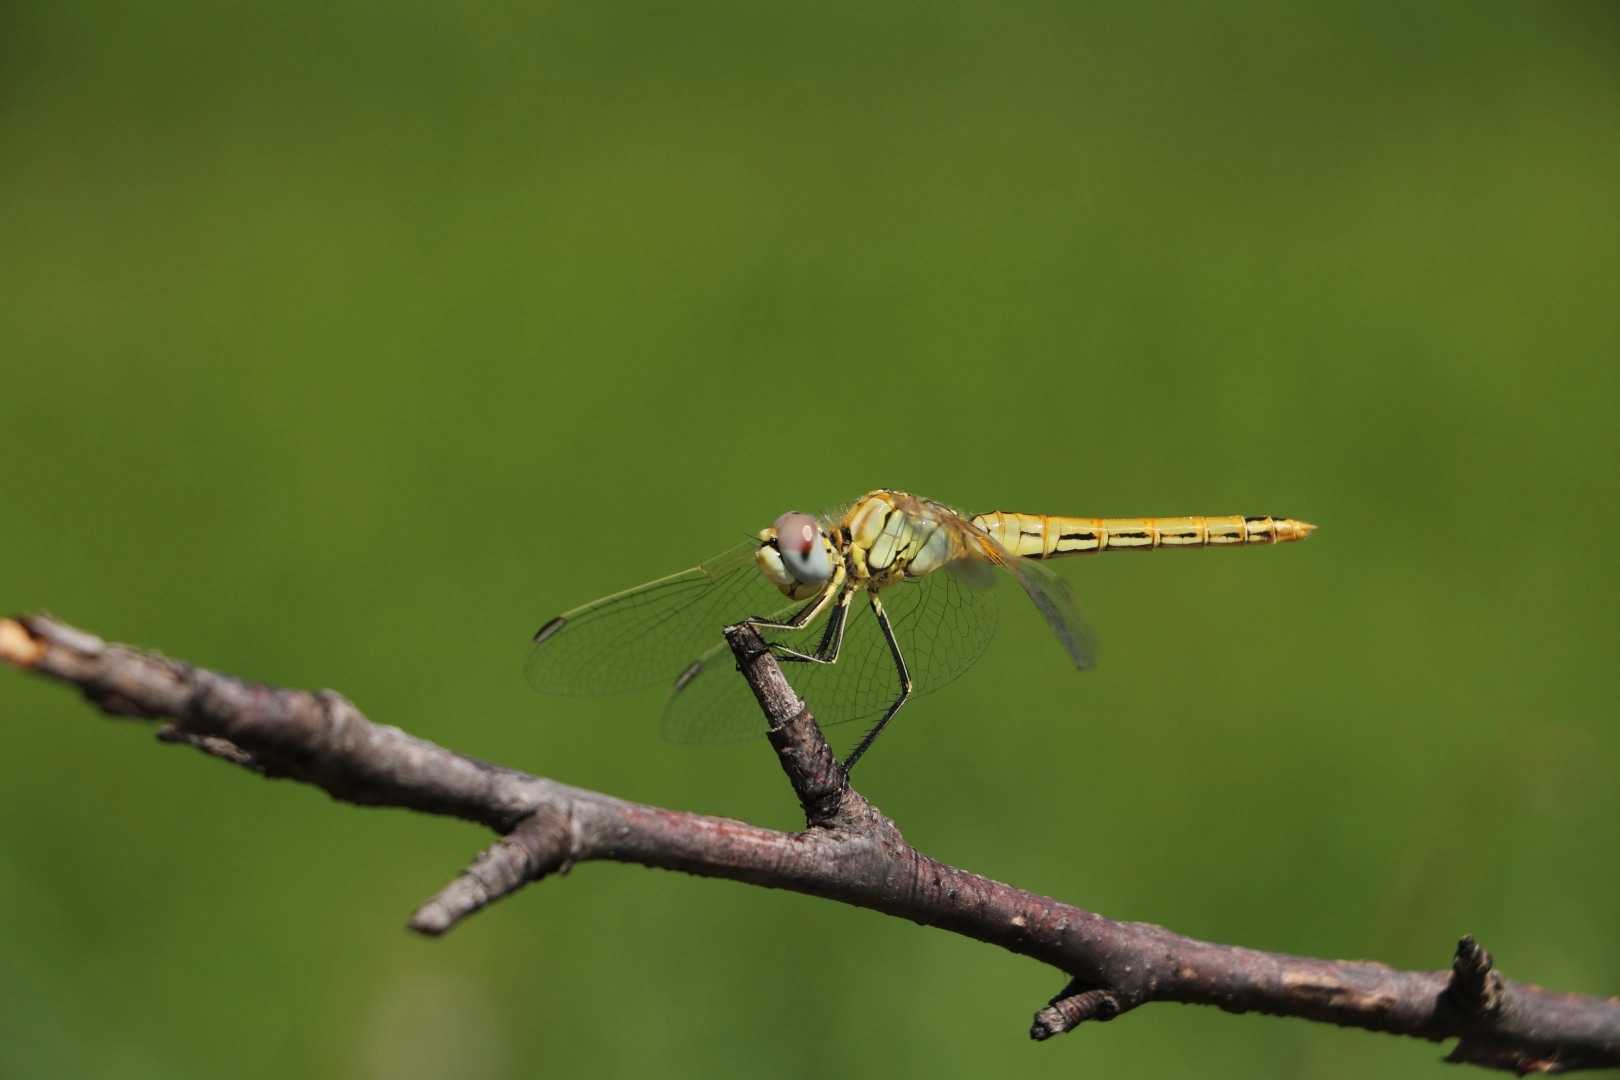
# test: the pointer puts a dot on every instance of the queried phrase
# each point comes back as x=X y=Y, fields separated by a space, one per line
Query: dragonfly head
x=795 y=555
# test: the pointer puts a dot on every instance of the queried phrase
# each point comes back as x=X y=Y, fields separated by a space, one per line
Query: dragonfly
x=923 y=574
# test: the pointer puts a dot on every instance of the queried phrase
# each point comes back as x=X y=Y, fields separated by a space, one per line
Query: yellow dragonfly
x=932 y=567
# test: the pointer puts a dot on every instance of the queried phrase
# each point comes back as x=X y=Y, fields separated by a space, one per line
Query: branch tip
x=18 y=646
x=540 y=845
x=1077 y=1003
x=811 y=766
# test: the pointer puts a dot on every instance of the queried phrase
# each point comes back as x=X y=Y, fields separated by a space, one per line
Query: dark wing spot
x=549 y=629
x=688 y=675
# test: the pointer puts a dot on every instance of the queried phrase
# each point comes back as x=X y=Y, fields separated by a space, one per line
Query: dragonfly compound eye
x=798 y=538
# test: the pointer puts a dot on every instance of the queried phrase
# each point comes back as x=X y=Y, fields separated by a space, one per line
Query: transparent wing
x=711 y=702
x=943 y=622
x=1051 y=594
x=649 y=635
x=1056 y=602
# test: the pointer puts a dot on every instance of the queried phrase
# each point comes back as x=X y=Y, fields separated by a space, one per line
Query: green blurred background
x=345 y=343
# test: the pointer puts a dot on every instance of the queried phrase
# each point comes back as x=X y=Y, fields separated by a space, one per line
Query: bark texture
x=848 y=852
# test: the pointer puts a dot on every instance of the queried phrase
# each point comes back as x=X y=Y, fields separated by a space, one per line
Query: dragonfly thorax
x=893 y=536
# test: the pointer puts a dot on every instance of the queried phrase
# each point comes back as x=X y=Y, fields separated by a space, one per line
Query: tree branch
x=848 y=852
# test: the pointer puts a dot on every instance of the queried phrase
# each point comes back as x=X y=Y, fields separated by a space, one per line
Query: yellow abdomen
x=1040 y=536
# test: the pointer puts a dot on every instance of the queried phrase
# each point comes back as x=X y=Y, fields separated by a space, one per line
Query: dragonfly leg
x=832 y=640
x=905 y=685
x=804 y=618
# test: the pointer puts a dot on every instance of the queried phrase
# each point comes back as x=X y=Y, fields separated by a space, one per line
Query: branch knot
x=1475 y=989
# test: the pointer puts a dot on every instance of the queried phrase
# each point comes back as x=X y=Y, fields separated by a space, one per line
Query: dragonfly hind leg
x=905 y=685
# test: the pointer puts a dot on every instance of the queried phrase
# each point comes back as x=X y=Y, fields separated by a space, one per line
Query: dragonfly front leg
x=806 y=615
x=832 y=640
x=905 y=684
